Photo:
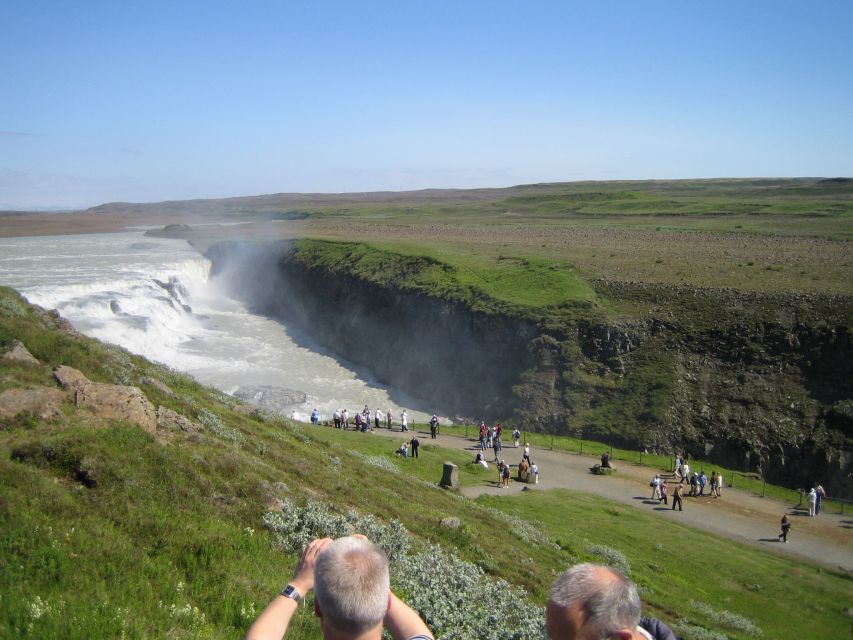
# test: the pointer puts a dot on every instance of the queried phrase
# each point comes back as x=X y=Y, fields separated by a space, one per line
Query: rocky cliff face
x=751 y=381
x=434 y=349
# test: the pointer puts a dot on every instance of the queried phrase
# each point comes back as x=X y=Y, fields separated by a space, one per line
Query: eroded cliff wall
x=751 y=381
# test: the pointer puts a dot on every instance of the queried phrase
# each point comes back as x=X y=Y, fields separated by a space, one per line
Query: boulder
x=116 y=402
x=160 y=386
x=43 y=402
x=275 y=399
x=19 y=353
x=450 y=476
x=69 y=377
x=450 y=523
x=174 y=421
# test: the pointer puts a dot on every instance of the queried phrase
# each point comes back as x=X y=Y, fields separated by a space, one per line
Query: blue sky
x=148 y=101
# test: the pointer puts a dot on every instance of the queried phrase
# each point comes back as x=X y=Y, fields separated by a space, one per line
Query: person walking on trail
x=526 y=451
x=655 y=485
x=516 y=436
x=389 y=418
x=786 y=527
x=377 y=418
x=664 y=489
x=497 y=448
x=415 y=443
x=714 y=484
x=694 y=484
x=352 y=595
x=404 y=421
x=676 y=497
x=484 y=435
x=315 y=417
x=345 y=419
x=505 y=473
x=812 y=502
x=433 y=426
x=821 y=494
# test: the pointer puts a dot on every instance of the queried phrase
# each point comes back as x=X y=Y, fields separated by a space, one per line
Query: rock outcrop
x=108 y=401
x=19 y=353
x=174 y=421
x=43 y=402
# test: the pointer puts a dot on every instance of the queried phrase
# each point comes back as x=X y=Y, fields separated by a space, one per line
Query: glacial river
x=156 y=298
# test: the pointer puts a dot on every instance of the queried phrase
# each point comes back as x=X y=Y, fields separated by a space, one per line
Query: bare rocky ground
x=738 y=515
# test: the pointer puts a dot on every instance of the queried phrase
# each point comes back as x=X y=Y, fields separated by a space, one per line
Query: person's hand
x=303 y=577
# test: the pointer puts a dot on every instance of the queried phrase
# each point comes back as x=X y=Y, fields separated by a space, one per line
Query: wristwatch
x=292 y=592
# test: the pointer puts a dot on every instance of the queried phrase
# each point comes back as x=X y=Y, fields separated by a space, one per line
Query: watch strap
x=292 y=592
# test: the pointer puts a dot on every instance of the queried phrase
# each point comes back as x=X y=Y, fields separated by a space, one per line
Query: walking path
x=737 y=515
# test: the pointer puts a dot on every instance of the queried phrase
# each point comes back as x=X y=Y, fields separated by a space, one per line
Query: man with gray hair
x=591 y=602
x=352 y=595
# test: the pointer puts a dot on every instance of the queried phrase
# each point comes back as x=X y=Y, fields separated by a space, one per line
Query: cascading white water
x=155 y=297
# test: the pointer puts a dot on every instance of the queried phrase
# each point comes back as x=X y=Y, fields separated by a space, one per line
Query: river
x=156 y=298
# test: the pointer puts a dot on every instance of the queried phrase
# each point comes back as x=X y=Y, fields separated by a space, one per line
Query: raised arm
x=274 y=620
x=403 y=622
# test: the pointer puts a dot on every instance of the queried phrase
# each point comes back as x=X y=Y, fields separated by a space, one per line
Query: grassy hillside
x=111 y=531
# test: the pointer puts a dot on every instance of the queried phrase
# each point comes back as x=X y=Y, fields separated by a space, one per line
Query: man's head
x=591 y=602
x=352 y=585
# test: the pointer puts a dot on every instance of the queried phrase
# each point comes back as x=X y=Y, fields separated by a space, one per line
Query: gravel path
x=737 y=515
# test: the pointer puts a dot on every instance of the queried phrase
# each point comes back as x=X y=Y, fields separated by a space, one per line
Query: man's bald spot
x=591 y=601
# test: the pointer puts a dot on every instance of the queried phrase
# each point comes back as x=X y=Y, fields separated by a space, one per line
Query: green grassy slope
x=109 y=531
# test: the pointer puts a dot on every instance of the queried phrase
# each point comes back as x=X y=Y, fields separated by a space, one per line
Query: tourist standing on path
x=714 y=484
x=526 y=451
x=655 y=485
x=345 y=419
x=415 y=444
x=821 y=494
x=812 y=502
x=315 y=417
x=694 y=485
x=389 y=418
x=505 y=473
x=497 y=447
x=786 y=527
x=516 y=436
x=377 y=418
x=433 y=426
x=336 y=417
x=676 y=497
x=404 y=421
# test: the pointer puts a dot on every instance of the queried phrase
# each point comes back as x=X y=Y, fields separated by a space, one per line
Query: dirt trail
x=737 y=515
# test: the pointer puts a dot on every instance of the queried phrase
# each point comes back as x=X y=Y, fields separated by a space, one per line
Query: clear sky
x=147 y=101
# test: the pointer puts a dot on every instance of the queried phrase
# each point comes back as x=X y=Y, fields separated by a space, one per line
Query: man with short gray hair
x=591 y=602
x=352 y=595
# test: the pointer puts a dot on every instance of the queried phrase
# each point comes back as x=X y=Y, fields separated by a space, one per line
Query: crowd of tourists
x=364 y=420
